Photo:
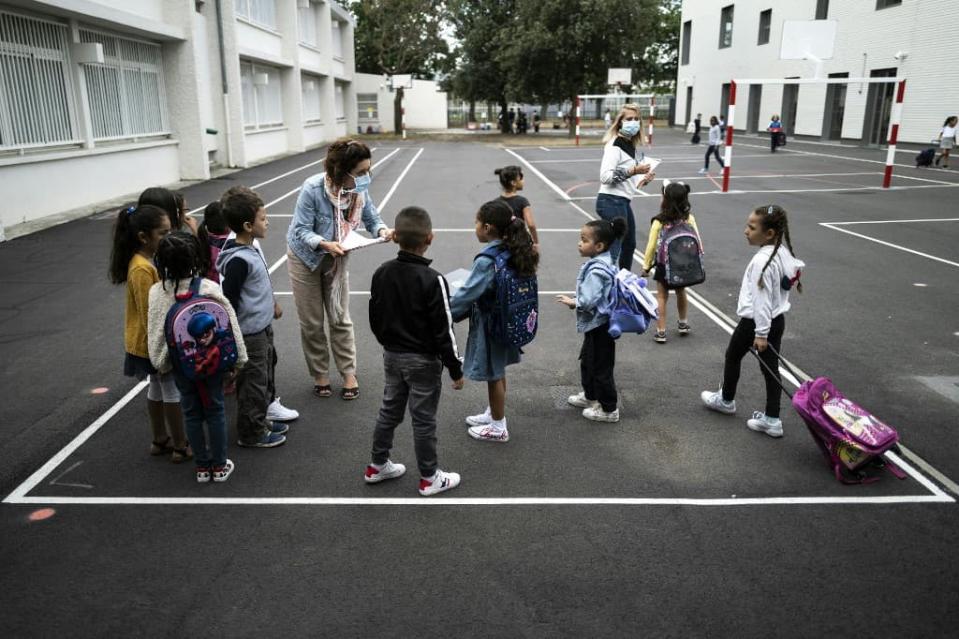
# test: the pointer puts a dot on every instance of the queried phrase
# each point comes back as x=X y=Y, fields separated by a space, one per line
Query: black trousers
x=713 y=150
x=739 y=344
x=597 y=358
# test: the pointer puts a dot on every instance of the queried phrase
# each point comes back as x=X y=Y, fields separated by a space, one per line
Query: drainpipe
x=225 y=89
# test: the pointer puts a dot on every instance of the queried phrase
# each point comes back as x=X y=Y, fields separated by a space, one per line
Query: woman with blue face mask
x=331 y=205
x=621 y=177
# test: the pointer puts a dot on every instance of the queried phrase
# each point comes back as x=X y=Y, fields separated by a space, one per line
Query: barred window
x=261 y=12
x=262 y=96
x=36 y=102
x=367 y=106
x=306 y=19
x=125 y=93
x=310 y=88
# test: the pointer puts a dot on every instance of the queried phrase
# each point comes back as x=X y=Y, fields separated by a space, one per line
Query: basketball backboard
x=808 y=39
x=401 y=81
x=620 y=76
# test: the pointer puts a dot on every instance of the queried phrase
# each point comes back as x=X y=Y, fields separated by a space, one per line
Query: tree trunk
x=398 y=112
x=472 y=114
x=572 y=116
x=503 y=116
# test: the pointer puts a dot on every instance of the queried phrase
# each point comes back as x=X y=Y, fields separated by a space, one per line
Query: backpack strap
x=195 y=286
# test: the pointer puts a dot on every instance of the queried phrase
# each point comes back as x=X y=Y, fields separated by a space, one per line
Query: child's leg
x=739 y=343
x=396 y=391
x=157 y=423
x=586 y=367
x=682 y=304
x=426 y=384
x=773 y=384
x=215 y=414
x=174 y=420
x=193 y=413
x=604 y=360
x=251 y=389
x=662 y=295
x=497 y=398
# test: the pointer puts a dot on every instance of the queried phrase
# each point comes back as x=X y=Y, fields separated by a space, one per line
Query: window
x=885 y=4
x=726 y=27
x=765 y=21
x=261 y=12
x=262 y=101
x=687 y=33
x=367 y=106
x=337 y=39
x=339 y=102
x=822 y=9
x=306 y=19
x=36 y=104
x=310 y=89
x=125 y=92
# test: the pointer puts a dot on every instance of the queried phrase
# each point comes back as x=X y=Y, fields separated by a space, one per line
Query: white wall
x=426 y=107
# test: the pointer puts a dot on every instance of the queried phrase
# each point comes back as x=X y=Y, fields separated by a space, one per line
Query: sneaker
x=388 y=471
x=222 y=473
x=483 y=419
x=202 y=474
x=772 y=426
x=597 y=414
x=683 y=328
x=660 y=337
x=440 y=482
x=268 y=440
x=279 y=428
x=277 y=412
x=703 y=171
x=580 y=401
x=489 y=433
x=714 y=401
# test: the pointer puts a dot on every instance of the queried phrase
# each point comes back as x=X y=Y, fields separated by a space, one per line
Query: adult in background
x=715 y=141
x=697 y=128
x=775 y=129
x=331 y=205
x=947 y=140
x=619 y=179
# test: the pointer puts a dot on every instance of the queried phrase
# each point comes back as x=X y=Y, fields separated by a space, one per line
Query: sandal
x=350 y=393
x=160 y=448
x=323 y=390
x=180 y=455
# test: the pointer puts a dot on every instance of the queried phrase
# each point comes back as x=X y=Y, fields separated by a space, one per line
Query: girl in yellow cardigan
x=673 y=209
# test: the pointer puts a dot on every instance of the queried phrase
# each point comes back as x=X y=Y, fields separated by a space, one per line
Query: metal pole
x=895 y=117
x=730 y=119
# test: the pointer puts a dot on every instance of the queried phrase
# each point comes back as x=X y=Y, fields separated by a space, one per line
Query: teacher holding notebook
x=329 y=210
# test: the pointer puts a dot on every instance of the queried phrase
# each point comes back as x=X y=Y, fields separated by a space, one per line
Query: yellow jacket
x=650 y=257
x=141 y=275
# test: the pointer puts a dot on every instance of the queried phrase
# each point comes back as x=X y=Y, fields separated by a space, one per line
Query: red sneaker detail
x=370 y=471
x=425 y=483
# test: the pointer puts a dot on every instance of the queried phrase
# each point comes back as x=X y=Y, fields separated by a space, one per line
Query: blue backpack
x=630 y=306
x=514 y=311
x=199 y=336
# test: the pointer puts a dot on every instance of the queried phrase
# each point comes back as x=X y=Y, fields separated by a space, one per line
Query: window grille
x=367 y=106
x=262 y=103
x=310 y=87
x=261 y=12
x=36 y=101
x=340 y=102
x=126 y=93
x=306 y=19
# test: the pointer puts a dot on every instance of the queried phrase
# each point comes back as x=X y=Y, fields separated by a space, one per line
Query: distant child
x=246 y=283
x=762 y=307
x=136 y=235
x=715 y=141
x=947 y=140
x=597 y=357
x=409 y=314
x=179 y=260
x=213 y=233
x=673 y=209
x=511 y=179
x=775 y=129
x=173 y=204
x=486 y=360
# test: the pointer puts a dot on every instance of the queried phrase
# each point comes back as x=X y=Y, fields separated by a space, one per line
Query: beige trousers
x=311 y=294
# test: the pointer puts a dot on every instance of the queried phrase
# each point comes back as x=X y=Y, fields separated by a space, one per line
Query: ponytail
x=130 y=222
x=608 y=231
x=773 y=217
x=514 y=234
x=508 y=175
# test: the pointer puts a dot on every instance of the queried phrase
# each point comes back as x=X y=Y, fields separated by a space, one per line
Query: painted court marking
x=836 y=227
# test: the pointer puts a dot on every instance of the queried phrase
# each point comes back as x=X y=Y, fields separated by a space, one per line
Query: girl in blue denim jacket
x=593 y=286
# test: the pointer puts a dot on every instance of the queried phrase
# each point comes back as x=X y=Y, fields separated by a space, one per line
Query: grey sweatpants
x=254 y=386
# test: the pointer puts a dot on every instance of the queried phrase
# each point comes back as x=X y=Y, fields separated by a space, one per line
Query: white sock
x=378 y=466
x=498 y=424
x=430 y=479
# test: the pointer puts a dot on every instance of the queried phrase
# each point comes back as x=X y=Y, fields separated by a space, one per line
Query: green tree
x=399 y=36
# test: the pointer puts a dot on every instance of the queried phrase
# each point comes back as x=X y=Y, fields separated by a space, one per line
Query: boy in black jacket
x=410 y=316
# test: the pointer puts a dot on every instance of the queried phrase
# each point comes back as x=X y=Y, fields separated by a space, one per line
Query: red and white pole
x=577 y=120
x=894 y=119
x=652 y=116
x=730 y=119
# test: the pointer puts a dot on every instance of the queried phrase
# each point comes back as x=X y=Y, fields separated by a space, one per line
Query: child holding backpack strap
x=180 y=263
x=673 y=212
x=486 y=359
x=593 y=286
x=762 y=307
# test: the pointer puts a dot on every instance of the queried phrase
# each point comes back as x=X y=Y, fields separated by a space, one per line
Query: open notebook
x=357 y=241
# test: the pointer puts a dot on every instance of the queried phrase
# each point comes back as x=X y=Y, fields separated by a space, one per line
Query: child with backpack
x=509 y=256
x=137 y=233
x=511 y=179
x=213 y=233
x=673 y=238
x=762 y=307
x=194 y=333
x=594 y=284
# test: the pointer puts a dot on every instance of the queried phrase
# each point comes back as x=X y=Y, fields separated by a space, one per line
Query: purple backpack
x=680 y=252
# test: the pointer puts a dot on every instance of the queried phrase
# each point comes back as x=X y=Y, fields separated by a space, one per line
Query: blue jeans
x=207 y=451
x=609 y=207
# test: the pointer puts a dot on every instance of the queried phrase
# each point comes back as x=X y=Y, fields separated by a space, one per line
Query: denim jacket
x=593 y=286
x=314 y=218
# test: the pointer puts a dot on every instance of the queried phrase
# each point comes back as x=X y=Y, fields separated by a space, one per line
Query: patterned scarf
x=347 y=211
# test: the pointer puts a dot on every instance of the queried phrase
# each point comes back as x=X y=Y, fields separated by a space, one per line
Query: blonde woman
x=618 y=181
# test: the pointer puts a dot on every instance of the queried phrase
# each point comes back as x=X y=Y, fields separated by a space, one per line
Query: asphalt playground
x=673 y=522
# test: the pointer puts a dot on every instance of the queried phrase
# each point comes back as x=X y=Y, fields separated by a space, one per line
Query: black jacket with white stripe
x=410 y=310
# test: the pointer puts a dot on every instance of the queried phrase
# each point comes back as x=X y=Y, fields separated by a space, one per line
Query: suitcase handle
x=779 y=357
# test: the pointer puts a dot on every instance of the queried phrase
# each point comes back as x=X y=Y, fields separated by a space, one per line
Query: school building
x=100 y=99
x=912 y=39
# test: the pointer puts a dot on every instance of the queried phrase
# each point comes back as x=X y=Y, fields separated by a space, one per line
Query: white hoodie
x=763 y=304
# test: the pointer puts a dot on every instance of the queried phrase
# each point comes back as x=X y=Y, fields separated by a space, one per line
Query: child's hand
x=458 y=383
x=386 y=233
x=760 y=343
x=277 y=310
x=333 y=248
x=566 y=300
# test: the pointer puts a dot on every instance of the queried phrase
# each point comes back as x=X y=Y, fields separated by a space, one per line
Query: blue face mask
x=362 y=183
x=629 y=128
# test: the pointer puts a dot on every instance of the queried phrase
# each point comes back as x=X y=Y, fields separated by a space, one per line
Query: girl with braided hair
x=762 y=307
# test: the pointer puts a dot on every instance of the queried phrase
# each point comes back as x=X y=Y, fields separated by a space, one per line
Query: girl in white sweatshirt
x=762 y=307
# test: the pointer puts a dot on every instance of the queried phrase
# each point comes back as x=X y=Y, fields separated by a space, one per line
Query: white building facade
x=425 y=105
x=104 y=98
x=913 y=39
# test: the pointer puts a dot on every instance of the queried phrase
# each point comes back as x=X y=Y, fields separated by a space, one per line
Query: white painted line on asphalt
x=537 y=172
x=889 y=244
x=544 y=148
x=390 y=193
x=924 y=219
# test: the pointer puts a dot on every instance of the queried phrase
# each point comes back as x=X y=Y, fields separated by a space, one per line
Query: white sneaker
x=440 y=482
x=597 y=414
x=702 y=171
x=714 y=401
x=772 y=426
x=277 y=412
x=222 y=473
x=389 y=470
x=489 y=433
x=580 y=401
x=483 y=419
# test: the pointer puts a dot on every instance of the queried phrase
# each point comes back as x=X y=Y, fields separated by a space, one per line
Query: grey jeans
x=254 y=386
x=415 y=380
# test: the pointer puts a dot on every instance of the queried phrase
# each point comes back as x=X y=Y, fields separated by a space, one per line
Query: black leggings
x=597 y=358
x=739 y=344
x=713 y=150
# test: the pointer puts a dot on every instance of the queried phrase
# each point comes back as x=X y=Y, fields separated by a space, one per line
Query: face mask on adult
x=361 y=183
x=629 y=128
